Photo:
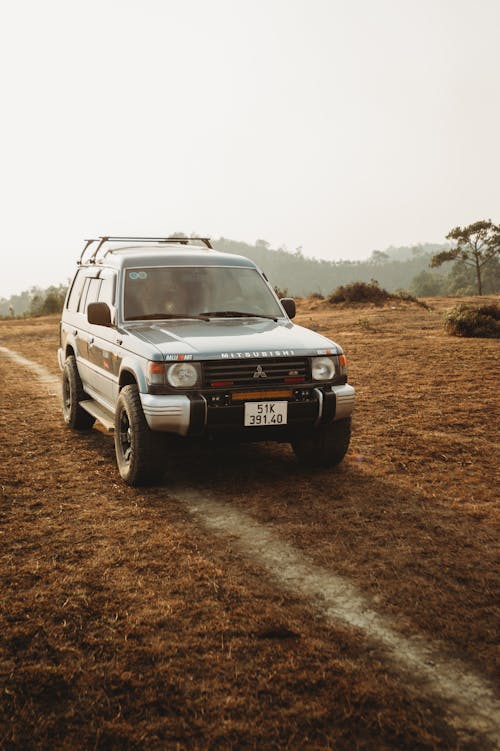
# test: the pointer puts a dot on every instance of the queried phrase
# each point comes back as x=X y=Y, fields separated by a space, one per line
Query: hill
x=396 y=268
x=393 y=269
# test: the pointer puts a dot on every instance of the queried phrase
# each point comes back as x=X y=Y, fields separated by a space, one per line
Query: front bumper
x=193 y=416
x=344 y=401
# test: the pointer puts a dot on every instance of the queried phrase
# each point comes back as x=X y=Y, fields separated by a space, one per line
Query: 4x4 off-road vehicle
x=167 y=335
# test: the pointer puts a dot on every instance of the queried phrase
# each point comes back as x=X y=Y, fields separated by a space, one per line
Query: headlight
x=323 y=368
x=182 y=375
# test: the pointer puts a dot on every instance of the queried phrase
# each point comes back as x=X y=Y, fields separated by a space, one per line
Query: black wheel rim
x=125 y=436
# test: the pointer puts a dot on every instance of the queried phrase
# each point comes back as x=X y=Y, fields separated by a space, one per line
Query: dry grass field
x=127 y=623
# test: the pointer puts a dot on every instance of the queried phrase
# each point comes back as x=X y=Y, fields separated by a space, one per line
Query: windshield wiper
x=236 y=314
x=165 y=316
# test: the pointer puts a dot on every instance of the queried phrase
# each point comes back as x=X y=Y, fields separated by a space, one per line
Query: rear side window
x=83 y=296
x=93 y=291
x=89 y=293
x=76 y=289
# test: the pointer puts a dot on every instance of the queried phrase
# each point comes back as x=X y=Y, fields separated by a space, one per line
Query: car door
x=86 y=336
x=70 y=321
x=103 y=348
x=75 y=325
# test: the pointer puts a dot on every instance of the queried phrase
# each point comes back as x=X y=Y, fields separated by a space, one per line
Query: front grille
x=256 y=372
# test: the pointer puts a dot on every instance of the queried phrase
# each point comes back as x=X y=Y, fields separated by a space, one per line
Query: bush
x=472 y=320
x=372 y=292
x=402 y=294
x=360 y=292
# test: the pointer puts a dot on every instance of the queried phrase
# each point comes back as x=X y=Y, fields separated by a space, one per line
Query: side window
x=76 y=288
x=89 y=293
x=107 y=291
x=93 y=292
x=83 y=296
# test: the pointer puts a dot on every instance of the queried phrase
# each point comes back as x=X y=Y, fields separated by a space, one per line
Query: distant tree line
x=34 y=302
x=413 y=269
x=469 y=264
x=394 y=269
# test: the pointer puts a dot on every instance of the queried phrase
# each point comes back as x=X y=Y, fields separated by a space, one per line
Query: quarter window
x=93 y=292
x=83 y=296
x=76 y=288
x=89 y=293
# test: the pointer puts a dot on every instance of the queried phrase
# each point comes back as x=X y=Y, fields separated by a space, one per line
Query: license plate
x=265 y=413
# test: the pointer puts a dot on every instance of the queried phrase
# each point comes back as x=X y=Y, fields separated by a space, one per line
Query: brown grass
x=124 y=625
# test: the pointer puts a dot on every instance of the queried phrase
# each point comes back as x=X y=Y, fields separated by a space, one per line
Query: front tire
x=72 y=394
x=325 y=446
x=136 y=446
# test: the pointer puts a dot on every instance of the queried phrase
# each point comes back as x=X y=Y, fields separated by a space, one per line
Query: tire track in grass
x=52 y=382
x=471 y=702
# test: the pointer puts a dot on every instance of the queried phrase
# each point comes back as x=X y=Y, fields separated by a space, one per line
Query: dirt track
x=127 y=624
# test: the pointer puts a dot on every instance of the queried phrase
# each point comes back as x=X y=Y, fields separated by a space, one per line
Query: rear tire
x=136 y=446
x=325 y=446
x=72 y=394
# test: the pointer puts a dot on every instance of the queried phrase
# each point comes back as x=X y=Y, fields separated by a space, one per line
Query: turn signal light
x=277 y=394
x=156 y=372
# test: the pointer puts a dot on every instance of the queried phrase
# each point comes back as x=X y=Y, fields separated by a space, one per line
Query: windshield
x=208 y=291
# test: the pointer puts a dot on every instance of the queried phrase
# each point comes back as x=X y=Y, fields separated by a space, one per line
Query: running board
x=99 y=412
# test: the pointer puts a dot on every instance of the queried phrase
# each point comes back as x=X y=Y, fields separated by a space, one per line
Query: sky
x=338 y=127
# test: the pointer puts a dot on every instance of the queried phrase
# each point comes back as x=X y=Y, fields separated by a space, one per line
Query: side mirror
x=289 y=305
x=99 y=313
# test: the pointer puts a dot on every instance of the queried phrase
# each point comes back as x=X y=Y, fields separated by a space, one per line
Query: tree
x=45 y=302
x=462 y=279
x=477 y=245
x=427 y=284
x=378 y=256
x=262 y=244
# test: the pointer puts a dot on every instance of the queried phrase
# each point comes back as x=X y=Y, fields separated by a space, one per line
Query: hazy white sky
x=337 y=126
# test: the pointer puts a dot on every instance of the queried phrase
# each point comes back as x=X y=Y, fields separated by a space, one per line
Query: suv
x=168 y=336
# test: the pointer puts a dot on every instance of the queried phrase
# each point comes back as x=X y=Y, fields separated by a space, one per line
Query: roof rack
x=109 y=238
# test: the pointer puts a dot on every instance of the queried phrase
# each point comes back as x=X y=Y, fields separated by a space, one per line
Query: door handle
x=75 y=332
x=91 y=343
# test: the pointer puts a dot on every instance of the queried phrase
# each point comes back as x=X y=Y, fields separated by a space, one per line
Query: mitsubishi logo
x=260 y=372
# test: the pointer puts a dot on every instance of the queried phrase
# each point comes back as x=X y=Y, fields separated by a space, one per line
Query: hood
x=231 y=338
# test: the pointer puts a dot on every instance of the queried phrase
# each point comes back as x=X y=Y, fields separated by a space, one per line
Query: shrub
x=471 y=320
x=360 y=292
x=372 y=292
x=316 y=296
x=402 y=294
